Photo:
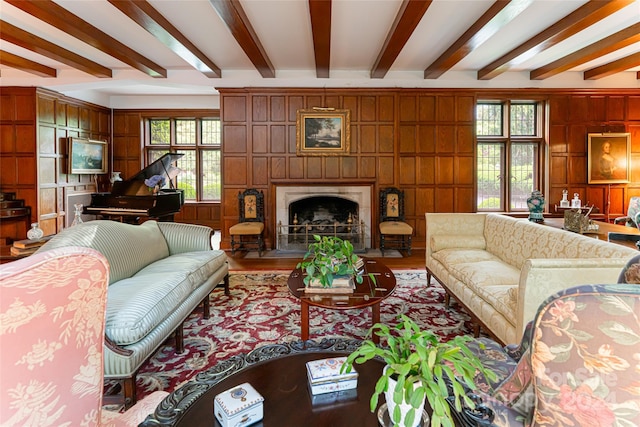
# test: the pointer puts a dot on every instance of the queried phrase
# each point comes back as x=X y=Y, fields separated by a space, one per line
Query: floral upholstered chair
x=52 y=321
x=247 y=233
x=580 y=364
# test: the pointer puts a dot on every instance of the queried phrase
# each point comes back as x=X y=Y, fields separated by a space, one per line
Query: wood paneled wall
x=35 y=123
x=572 y=117
x=422 y=141
x=18 y=160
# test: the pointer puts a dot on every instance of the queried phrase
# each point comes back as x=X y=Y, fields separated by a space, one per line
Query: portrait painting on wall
x=608 y=158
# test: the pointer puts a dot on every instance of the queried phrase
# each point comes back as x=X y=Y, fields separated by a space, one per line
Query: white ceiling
x=358 y=32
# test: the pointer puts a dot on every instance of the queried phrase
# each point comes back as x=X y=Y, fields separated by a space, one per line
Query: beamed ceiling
x=118 y=48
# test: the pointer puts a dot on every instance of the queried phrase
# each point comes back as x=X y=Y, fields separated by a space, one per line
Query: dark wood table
x=604 y=228
x=366 y=294
x=278 y=373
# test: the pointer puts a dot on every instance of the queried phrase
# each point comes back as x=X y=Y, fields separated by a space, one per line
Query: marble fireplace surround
x=359 y=193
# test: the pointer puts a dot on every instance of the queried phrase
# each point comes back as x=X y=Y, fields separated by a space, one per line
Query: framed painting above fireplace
x=323 y=132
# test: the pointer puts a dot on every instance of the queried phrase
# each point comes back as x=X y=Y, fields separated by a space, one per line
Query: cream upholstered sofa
x=500 y=269
x=159 y=272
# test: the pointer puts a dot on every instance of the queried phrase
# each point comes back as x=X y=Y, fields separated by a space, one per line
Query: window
x=508 y=153
x=199 y=139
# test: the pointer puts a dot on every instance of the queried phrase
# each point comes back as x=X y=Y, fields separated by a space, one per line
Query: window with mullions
x=508 y=153
x=199 y=139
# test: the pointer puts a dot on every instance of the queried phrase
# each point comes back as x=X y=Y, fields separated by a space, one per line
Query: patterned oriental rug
x=261 y=311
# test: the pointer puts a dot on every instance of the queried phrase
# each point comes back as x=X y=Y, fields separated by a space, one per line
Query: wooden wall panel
x=572 y=117
x=410 y=139
x=18 y=167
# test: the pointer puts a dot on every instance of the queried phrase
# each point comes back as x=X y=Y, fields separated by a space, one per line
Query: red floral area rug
x=260 y=311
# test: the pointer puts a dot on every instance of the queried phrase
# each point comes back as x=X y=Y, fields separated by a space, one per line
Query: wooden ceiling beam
x=320 y=14
x=233 y=15
x=62 y=19
x=581 y=18
x=141 y=12
x=409 y=16
x=595 y=50
x=617 y=66
x=24 y=64
x=499 y=14
x=12 y=34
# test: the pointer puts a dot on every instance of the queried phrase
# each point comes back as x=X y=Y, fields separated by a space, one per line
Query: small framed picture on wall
x=609 y=155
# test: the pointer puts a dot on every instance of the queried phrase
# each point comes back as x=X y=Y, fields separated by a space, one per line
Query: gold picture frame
x=323 y=132
x=608 y=158
x=86 y=156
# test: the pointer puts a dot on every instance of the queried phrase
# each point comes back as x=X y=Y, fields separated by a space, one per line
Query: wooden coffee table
x=366 y=294
x=278 y=373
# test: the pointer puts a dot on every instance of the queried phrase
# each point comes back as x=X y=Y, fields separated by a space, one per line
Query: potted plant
x=420 y=367
x=328 y=257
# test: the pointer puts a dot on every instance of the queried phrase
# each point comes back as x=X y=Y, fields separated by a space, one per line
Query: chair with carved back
x=52 y=333
x=393 y=228
x=247 y=234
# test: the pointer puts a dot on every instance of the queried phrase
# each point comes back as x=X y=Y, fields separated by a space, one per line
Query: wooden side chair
x=392 y=221
x=247 y=234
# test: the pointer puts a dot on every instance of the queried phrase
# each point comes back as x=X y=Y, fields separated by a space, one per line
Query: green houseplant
x=423 y=368
x=328 y=257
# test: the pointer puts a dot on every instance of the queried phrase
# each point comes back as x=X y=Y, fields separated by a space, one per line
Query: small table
x=365 y=295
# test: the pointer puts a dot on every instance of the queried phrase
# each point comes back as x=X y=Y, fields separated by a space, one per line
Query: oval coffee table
x=366 y=294
x=278 y=373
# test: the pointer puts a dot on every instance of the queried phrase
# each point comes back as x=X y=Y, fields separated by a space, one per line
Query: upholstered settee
x=159 y=272
x=500 y=269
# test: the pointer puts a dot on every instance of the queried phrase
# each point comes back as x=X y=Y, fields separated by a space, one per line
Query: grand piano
x=131 y=200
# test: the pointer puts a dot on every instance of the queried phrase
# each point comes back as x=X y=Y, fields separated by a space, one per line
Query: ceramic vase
x=35 y=233
x=535 y=203
x=404 y=407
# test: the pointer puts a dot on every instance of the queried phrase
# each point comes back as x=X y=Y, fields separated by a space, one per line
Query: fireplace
x=301 y=211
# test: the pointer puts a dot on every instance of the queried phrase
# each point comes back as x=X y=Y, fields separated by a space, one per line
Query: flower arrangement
x=155 y=182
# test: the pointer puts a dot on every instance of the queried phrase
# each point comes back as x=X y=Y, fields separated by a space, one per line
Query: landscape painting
x=323 y=132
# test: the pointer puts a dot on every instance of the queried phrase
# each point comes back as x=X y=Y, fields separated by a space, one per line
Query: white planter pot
x=404 y=407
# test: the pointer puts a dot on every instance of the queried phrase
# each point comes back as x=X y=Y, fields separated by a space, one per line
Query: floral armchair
x=52 y=320
x=578 y=364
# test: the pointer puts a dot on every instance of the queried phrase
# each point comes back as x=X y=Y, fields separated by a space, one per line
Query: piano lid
x=136 y=186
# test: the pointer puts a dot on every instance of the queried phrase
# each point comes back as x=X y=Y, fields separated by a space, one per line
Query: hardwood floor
x=240 y=262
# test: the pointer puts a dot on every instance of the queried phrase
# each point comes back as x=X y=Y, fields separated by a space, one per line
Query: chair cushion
x=395 y=227
x=140 y=303
x=247 y=228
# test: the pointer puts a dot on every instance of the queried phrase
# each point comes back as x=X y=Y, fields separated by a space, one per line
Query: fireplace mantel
x=359 y=193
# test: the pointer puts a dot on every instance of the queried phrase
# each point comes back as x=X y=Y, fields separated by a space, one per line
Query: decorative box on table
x=239 y=406
x=325 y=377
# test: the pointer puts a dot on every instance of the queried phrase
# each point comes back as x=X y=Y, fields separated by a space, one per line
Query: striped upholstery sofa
x=159 y=272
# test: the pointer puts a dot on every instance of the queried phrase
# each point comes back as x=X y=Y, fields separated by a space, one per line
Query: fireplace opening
x=319 y=214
